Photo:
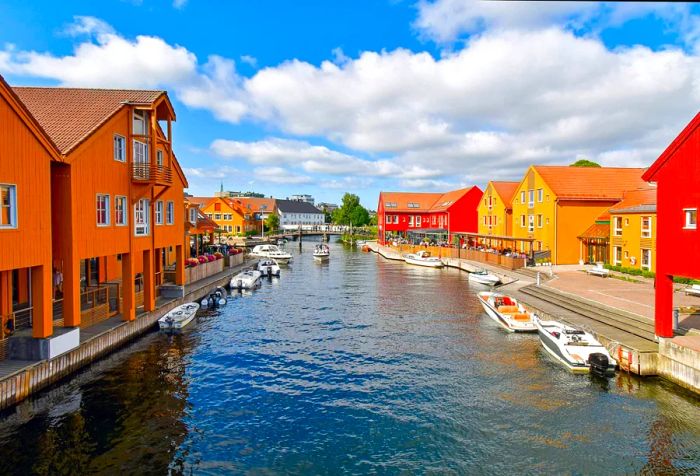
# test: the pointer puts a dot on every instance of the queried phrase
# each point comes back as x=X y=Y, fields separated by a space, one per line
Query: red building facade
x=399 y=213
x=677 y=175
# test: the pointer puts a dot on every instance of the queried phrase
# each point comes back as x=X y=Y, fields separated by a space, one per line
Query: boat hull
x=554 y=350
x=245 y=281
x=321 y=257
x=481 y=279
x=424 y=263
x=501 y=320
x=170 y=323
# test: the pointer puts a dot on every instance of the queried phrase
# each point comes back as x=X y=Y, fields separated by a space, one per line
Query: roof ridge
x=91 y=89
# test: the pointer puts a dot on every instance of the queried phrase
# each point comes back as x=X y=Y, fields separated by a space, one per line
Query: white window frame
x=410 y=220
x=170 y=213
x=159 y=158
x=119 y=145
x=617 y=231
x=531 y=223
x=142 y=217
x=159 y=212
x=193 y=216
x=646 y=232
x=140 y=117
x=687 y=212
x=540 y=221
x=107 y=200
x=615 y=260
x=522 y=197
x=531 y=197
x=540 y=195
x=124 y=211
x=641 y=259
x=418 y=220
x=12 y=193
x=523 y=222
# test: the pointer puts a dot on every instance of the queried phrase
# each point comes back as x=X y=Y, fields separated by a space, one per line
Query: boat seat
x=508 y=309
x=521 y=316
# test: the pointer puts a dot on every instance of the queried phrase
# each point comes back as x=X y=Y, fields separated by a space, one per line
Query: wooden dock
x=20 y=379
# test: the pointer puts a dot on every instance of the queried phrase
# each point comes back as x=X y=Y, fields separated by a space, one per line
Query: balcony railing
x=151 y=173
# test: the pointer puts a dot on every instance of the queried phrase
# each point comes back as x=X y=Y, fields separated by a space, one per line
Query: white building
x=294 y=214
x=302 y=198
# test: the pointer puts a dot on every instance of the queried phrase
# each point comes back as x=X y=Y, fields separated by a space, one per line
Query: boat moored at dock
x=576 y=349
x=322 y=252
x=484 y=277
x=423 y=258
x=269 y=267
x=248 y=279
x=178 y=317
x=215 y=299
x=271 y=251
x=507 y=312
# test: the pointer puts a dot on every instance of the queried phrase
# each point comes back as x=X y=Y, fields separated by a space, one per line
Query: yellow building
x=633 y=230
x=229 y=214
x=495 y=209
x=554 y=205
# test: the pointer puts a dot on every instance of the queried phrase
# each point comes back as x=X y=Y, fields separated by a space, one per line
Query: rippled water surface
x=355 y=366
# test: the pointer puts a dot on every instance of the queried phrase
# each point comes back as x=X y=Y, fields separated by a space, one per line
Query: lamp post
x=262 y=219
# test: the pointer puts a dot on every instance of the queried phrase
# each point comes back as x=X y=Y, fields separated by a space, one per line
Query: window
x=217 y=207
x=627 y=222
x=434 y=219
x=8 y=206
x=495 y=220
x=646 y=259
x=539 y=221
x=691 y=218
x=170 y=213
x=102 y=209
x=522 y=221
x=120 y=211
x=531 y=223
x=159 y=212
x=159 y=158
x=485 y=220
x=141 y=159
x=210 y=216
x=617 y=254
x=418 y=219
x=646 y=227
x=531 y=202
x=217 y=216
x=396 y=219
x=390 y=204
x=410 y=220
x=522 y=197
x=228 y=216
x=413 y=205
x=540 y=193
x=140 y=123
x=142 y=219
x=119 y=148
x=617 y=230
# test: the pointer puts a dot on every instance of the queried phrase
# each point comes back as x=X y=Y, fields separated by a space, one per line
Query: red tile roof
x=597 y=230
x=505 y=190
x=637 y=201
x=590 y=183
x=70 y=115
x=446 y=200
x=402 y=199
x=201 y=201
x=255 y=204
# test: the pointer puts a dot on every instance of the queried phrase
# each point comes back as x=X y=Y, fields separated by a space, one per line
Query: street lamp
x=262 y=219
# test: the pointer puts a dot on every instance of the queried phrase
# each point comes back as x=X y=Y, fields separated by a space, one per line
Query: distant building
x=294 y=214
x=302 y=198
x=327 y=207
x=230 y=194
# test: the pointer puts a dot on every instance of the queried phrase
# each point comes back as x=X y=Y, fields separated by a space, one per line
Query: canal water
x=356 y=366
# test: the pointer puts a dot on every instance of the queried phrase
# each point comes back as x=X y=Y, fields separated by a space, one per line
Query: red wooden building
x=399 y=213
x=677 y=175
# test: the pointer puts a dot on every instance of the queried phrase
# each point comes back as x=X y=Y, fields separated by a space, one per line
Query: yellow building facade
x=633 y=231
x=229 y=215
x=495 y=209
x=554 y=205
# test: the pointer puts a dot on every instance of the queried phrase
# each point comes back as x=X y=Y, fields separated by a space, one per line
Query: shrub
x=648 y=274
x=218 y=255
x=191 y=262
x=202 y=259
x=210 y=258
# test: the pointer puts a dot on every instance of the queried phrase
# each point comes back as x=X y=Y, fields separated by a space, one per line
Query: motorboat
x=576 y=349
x=507 y=312
x=322 y=252
x=248 y=279
x=271 y=251
x=179 y=317
x=482 y=276
x=423 y=258
x=215 y=299
x=361 y=242
x=269 y=267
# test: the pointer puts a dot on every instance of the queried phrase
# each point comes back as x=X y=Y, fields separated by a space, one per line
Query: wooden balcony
x=151 y=174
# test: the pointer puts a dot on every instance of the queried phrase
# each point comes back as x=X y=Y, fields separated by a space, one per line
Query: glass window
x=102 y=210
x=193 y=215
x=120 y=211
x=159 y=212
x=691 y=218
x=170 y=217
x=531 y=202
x=646 y=227
x=618 y=226
x=159 y=158
x=618 y=254
x=410 y=220
x=539 y=221
x=140 y=123
x=142 y=219
x=418 y=219
x=119 y=148
x=531 y=223
x=522 y=220
x=522 y=197
x=8 y=206
x=646 y=259
x=540 y=193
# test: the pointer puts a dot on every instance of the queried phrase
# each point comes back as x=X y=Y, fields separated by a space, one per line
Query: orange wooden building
x=97 y=202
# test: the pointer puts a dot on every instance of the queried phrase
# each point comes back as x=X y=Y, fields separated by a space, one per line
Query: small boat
x=269 y=267
x=361 y=242
x=484 y=277
x=423 y=258
x=507 y=312
x=271 y=251
x=322 y=252
x=248 y=279
x=215 y=299
x=178 y=317
x=576 y=349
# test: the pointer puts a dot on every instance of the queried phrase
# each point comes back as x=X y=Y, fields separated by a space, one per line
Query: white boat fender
x=205 y=302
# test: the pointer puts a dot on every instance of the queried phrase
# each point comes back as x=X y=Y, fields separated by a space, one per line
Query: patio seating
x=599 y=270
x=693 y=290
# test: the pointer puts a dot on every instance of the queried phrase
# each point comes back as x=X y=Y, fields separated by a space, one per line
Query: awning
x=597 y=231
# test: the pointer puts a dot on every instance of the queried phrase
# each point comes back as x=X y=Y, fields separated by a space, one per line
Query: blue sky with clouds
x=324 y=97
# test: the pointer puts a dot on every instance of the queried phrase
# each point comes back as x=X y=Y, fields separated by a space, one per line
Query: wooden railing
x=151 y=173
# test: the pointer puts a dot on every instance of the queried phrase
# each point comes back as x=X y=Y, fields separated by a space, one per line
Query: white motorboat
x=361 y=242
x=423 y=258
x=576 y=349
x=215 y=299
x=271 y=251
x=484 y=277
x=269 y=267
x=248 y=279
x=322 y=252
x=507 y=312
x=178 y=317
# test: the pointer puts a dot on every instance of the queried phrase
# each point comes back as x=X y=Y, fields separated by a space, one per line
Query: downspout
x=556 y=213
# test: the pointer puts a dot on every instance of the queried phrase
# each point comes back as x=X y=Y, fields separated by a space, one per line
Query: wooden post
x=128 y=290
x=149 y=281
x=5 y=297
x=71 y=290
x=180 y=265
x=42 y=301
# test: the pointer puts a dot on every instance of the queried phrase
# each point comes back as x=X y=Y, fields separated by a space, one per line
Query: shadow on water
x=358 y=365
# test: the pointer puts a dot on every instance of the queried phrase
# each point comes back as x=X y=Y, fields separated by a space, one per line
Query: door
x=141 y=160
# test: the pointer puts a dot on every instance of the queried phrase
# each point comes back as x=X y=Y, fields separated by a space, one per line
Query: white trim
x=159 y=212
x=647 y=230
x=170 y=212
x=145 y=228
x=122 y=156
x=685 y=213
x=108 y=211
x=12 y=190
x=641 y=259
x=125 y=210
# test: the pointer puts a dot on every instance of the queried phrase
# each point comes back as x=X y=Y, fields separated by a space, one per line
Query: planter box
x=234 y=260
x=203 y=271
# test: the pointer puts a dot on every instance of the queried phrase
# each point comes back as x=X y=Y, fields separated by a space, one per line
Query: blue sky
x=286 y=97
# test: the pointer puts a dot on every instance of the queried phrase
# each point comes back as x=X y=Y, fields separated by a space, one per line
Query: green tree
x=351 y=212
x=585 y=163
x=272 y=222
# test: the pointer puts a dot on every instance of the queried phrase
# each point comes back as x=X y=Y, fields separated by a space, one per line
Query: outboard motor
x=269 y=271
x=205 y=302
x=239 y=284
x=599 y=364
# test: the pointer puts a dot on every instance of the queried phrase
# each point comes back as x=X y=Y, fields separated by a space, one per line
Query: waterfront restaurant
x=676 y=174
x=107 y=208
x=496 y=210
x=633 y=230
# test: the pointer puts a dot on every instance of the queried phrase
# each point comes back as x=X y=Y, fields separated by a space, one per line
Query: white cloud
x=280 y=175
x=179 y=4
x=218 y=172
x=251 y=61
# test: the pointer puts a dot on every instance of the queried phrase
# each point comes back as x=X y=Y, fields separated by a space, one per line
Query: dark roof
x=293 y=206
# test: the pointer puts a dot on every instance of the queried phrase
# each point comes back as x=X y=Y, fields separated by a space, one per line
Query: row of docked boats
x=424 y=258
x=574 y=348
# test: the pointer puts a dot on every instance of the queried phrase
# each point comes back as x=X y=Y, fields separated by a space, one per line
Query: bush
x=202 y=259
x=649 y=274
x=191 y=262
x=218 y=255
